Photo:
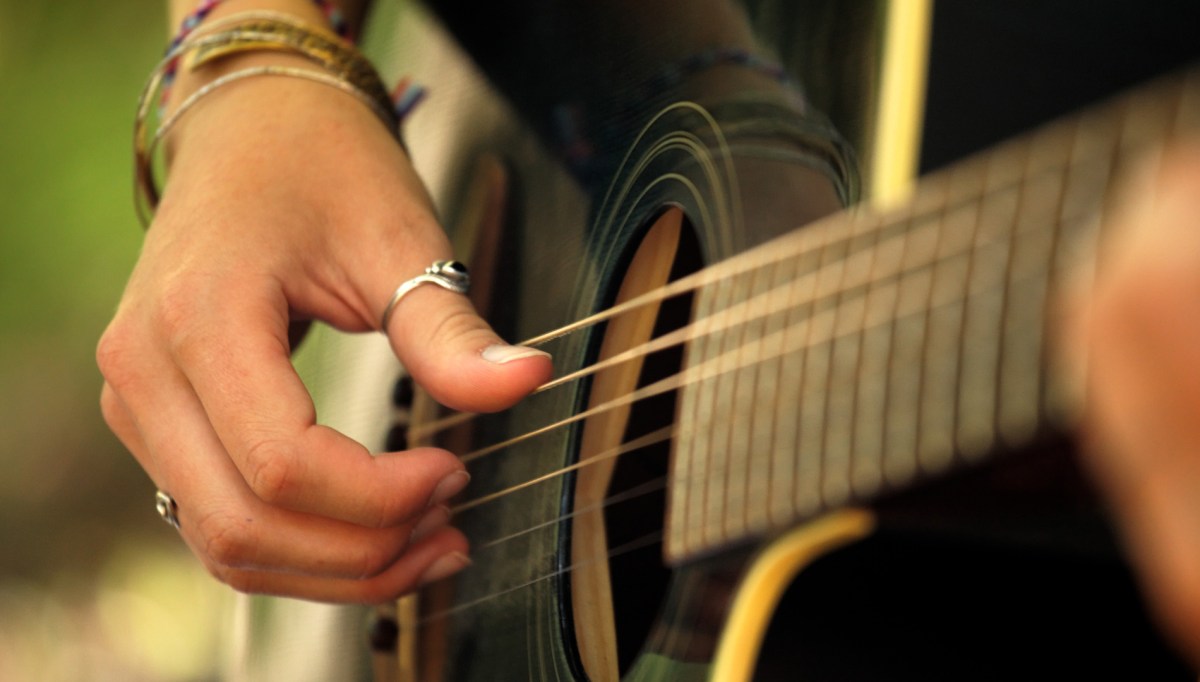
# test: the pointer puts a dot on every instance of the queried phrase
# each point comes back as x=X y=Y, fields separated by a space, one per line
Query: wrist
x=223 y=42
x=263 y=99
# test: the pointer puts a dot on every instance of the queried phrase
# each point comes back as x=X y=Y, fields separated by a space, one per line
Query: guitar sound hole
x=639 y=578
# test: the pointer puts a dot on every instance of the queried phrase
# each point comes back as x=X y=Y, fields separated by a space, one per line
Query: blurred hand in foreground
x=1140 y=333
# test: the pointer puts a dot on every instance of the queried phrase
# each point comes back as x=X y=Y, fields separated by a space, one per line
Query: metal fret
x=805 y=493
x=813 y=379
x=944 y=322
x=874 y=363
x=910 y=343
x=765 y=416
x=695 y=411
x=724 y=417
x=742 y=456
x=840 y=358
x=784 y=462
x=863 y=479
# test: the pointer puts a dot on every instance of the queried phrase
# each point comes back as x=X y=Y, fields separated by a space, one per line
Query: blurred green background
x=93 y=586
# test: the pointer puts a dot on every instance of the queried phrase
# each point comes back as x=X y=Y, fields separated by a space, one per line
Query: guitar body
x=619 y=539
x=574 y=241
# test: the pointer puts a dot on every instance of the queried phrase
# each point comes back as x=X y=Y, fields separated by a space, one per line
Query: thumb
x=456 y=356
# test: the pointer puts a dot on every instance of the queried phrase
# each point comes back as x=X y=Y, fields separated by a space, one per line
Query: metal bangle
x=148 y=195
x=258 y=34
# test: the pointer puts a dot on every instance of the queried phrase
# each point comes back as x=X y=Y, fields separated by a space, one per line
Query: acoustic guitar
x=806 y=421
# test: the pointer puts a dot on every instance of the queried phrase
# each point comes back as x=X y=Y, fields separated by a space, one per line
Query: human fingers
x=456 y=356
x=428 y=561
x=376 y=229
x=1137 y=327
x=1141 y=333
x=230 y=346
x=231 y=530
x=437 y=334
x=442 y=341
x=117 y=416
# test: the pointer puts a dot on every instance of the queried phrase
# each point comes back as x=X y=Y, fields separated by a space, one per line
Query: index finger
x=236 y=357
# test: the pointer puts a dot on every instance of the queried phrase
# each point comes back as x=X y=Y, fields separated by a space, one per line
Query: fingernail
x=434 y=520
x=446 y=566
x=502 y=353
x=448 y=487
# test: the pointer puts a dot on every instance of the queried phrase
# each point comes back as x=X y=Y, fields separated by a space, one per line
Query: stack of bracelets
x=342 y=67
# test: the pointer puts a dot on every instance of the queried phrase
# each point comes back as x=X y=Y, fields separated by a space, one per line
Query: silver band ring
x=167 y=509
x=447 y=274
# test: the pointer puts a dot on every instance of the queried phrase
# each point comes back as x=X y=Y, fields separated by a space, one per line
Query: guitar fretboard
x=868 y=352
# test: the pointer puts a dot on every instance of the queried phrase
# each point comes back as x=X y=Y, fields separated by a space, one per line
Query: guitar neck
x=872 y=351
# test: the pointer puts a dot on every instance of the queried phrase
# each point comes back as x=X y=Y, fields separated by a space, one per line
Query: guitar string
x=656 y=437
x=708 y=369
x=647 y=488
x=654 y=537
x=804 y=240
x=671 y=383
x=725 y=320
x=717 y=457
x=821 y=320
x=976 y=246
x=628 y=547
x=636 y=444
x=740 y=265
x=646 y=540
x=747 y=262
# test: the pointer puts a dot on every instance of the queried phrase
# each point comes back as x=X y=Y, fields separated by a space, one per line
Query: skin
x=253 y=235
x=1140 y=333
